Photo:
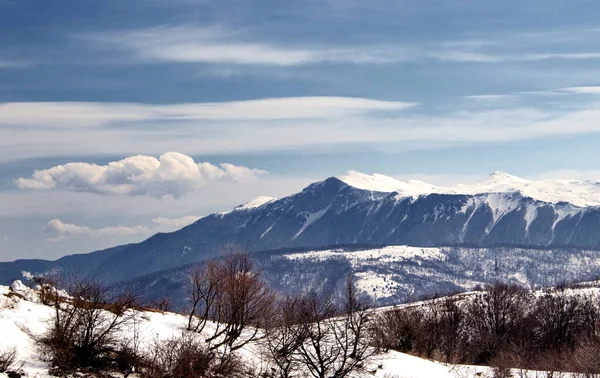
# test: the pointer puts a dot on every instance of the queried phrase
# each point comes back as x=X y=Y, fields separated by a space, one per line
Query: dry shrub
x=83 y=331
x=184 y=357
x=505 y=326
x=231 y=293
x=8 y=359
x=313 y=336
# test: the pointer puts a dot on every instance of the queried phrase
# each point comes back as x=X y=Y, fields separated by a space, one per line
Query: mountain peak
x=503 y=176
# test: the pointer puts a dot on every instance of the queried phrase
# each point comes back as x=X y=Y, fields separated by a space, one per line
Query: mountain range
x=356 y=209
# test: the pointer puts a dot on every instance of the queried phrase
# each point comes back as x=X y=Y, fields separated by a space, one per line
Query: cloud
x=193 y=44
x=581 y=90
x=171 y=175
x=57 y=230
x=219 y=45
x=171 y=224
x=92 y=114
x=339 y=123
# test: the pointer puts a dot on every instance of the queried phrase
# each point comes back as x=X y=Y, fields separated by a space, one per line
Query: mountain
x=376 y=210
x=395 y=274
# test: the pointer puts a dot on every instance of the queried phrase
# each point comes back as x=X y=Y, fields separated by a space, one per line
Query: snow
x=24 y=319
x=379 y=285
x=310 y=219
x=257 y=202
x=578 y=193
x=381 y=183
x=382 y=255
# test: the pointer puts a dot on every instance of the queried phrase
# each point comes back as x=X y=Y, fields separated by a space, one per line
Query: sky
x=120 y=119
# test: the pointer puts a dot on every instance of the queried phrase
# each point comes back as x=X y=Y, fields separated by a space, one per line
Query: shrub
x=8 y=358
x=82 y=334
x=184 y=357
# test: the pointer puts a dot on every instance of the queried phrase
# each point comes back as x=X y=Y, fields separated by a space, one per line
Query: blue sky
x=227 y=100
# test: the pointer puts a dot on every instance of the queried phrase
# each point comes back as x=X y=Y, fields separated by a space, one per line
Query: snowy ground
x=23 y=319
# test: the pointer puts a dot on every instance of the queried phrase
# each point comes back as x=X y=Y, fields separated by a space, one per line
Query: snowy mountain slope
x=578 y=193
x=360 y=209
x=395 y=274
x=23 y=319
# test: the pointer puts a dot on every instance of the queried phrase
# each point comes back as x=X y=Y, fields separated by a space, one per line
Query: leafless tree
x=231 y=293
x=202 y=291
x=8 y=358
x=282 y=339
x=323 y=339
x=84 y=325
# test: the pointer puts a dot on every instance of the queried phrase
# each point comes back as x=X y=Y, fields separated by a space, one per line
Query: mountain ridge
x=334 y=212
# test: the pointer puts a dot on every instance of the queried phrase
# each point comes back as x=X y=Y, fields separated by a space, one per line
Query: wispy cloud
x=171 y=175
x=170 y=224
x=4 y=63
x=191 y=44
x=90 y=114
x=220 y=45
x=56 y=230
x=581 y=90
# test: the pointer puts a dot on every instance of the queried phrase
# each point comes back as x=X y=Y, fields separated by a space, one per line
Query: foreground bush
x=185 y=357
x=504 y=326
x=313 y=336
x=83 y=330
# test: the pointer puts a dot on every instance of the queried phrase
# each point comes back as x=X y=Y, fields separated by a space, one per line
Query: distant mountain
x=394 y=274
x=377 y=210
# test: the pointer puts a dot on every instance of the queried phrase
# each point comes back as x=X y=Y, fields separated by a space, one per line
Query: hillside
x=23 y=318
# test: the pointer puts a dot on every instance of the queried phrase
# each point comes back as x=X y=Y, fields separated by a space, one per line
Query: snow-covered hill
x=23 y=318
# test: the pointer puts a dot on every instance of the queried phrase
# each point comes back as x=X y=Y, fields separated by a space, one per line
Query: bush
x=83 y=331
x=8 y=358
x=184 y=357
x=504 y=326
x=315 y=337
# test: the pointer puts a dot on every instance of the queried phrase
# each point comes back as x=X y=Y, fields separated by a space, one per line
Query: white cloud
x=91 y=114
x=57 y=230
x=171 y=224
x=221 y=46
x=338 y=123
x=581 y=90
x=580 y=175
x=171 y=175
x=192 y=44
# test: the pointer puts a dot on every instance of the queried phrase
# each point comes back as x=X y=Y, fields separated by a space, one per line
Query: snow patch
x=257 y=202
x=310 y=219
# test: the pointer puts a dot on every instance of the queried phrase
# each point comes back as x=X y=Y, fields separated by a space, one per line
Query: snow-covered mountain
x=578 y=193
x=359 y=209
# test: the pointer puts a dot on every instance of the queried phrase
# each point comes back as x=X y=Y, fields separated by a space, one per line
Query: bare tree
x=282 y=339
x=498 y=318
x=202 y=290
x=562 y=319
x=84 y=326
x=323 y=339
x=231 y=293
x=8 y=358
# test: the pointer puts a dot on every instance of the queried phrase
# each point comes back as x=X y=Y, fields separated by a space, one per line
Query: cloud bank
x=56 y=230
x=171 y=175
